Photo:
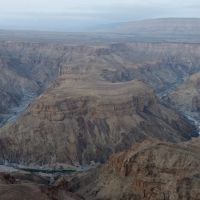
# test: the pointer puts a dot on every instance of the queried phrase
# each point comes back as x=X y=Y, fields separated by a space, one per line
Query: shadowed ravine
x=15 y=112
x=167 y=92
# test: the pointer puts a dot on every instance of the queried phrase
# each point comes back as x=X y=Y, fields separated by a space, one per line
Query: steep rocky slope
x=149 y=170
x=21 y=185
x=12 y=88
x=99 y=102
x=152 y=170
x=186 y=97
x=28 y=68
x=160 y=65
x=82 y=118
x=24 y=73
x=50 y=119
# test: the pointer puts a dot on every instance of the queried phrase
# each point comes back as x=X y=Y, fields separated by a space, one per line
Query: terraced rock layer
x=82 y=118
x=29 y=68
x=186 y=97
x=150 y=170
x=20 y=185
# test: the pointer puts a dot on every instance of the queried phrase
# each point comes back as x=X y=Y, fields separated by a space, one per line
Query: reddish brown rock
x=82 y=118
x=186 y=97
x=18 y=186
x=150 y=170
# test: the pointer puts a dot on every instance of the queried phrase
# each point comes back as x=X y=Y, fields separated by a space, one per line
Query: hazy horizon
x=78 y=15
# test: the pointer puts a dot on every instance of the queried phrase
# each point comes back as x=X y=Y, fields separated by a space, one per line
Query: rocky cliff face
x=76 y=116
x=23 y=74
x=82 y=118
x=13 y=86
x=98 y=102
x=29 y=68
x=43 y=62
x=20 y=185
x=160 y=65
x=150 y=170
x=186 y=97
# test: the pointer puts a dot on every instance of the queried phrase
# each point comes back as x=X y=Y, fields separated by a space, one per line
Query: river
x=187 y=115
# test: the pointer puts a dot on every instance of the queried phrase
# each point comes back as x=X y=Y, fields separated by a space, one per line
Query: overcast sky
x=73 y=15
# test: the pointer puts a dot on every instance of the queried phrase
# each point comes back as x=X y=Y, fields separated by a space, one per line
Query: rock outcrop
x=149 y=170
x=76 y=116
x=82 y=118
x=30 y=68
x=96 y=100
x=186 y=97
x=21 y=185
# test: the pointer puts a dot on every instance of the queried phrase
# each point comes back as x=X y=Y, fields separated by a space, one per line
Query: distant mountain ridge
x=162 y=25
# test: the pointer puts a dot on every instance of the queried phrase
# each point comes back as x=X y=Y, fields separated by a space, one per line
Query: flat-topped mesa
x=81 y=118
x=30 y=68
x=93 y=98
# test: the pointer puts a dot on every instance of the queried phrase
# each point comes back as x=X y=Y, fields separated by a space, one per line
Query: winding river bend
x=28 y=98
x=16 y=112
x=187 y=115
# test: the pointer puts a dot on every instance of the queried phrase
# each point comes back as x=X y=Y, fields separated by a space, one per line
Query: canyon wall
x=81 y=118
x=150 y=170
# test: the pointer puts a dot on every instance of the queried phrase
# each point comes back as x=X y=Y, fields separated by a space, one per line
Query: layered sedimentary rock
x=43 y=62
x=99 y=105
x=83 y=122
x=13 y=86
x=29 y=68
x=160 y=65
x=21 y=185
x=187 y=96
x=82 y=118
x=149 y=170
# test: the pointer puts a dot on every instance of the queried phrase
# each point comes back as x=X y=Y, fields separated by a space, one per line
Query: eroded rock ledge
x=150 y=170
x=82 y=118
